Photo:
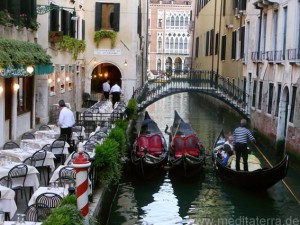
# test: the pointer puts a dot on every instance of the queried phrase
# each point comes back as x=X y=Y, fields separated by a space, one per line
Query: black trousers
x=106 y=95
x=241 y=151
x=115 y=97
x=66 y=133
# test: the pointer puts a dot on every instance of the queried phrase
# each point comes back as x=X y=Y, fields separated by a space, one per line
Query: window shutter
x=83 y=30
x=139 y=24
x=54 y=18
x=223 y=52
x=98 y=12
x=72 y=27
x=116 y=17
x=65 y=22
x=25 y=9
x=14 y=10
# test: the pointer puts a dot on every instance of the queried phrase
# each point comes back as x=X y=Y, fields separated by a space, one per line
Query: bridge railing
x=196 y=80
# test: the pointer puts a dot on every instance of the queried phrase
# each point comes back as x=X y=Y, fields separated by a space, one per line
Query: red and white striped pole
x=81 y=165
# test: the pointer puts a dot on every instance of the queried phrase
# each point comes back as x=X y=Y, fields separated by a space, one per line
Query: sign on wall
x=99 y=51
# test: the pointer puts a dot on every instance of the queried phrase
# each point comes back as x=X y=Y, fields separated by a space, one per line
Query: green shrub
x=69 y=200
x=131 y=110
x=107 y=161
x=123 y=124
x=65 y=215
x=119 y=136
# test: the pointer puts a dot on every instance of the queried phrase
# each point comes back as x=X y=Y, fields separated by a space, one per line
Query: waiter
x=116 y=93
x=65 y=121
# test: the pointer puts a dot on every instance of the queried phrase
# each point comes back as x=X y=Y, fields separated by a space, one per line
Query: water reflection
x=205 y=199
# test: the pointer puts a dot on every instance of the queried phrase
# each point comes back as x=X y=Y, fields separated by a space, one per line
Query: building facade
x=169 y=36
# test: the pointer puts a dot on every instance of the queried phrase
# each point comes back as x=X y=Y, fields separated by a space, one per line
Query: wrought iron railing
x=195 y=81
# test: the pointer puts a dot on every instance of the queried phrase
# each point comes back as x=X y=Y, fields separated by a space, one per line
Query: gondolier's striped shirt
x=242 y=135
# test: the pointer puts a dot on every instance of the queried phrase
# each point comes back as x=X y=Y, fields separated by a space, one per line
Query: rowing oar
x=283 y=181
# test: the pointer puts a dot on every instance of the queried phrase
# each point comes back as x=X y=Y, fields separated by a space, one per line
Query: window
x=159 y=43
x=158 y=65
x=211 y=49
x=223 y=52
x=271 y=90
x=233 y=44
x=159 y=25
x=67 y=25
x=83 y=30
x=278 y=99
x=254 y=93
x=284 y=31
x=25 y=94
x=242 y=37
x=260 y=94
x=275 y=30
x=217 y=44
x=224 y=8
x=264 y=33
x=197 y=47
x=207 y=43
x=54 y=19
x=107 y=16
x=293 y=104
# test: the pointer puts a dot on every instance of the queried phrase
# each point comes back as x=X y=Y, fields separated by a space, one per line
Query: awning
x=43 y=69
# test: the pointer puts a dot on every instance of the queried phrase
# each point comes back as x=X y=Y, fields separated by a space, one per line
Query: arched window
x=158 y=65
x=182 y=23
x=167 y=43
x=181 y=43
x=159 y=43
x=172 y=43
x=172 y=21
x=185 y=43
x=186 y=21
x=176 y=43
x=168 y=22
x=177 y=22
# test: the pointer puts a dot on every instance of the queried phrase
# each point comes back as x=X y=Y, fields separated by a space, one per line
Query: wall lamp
x=125 y=63
x=1 y=89
x=16 y=86
x=29 y=69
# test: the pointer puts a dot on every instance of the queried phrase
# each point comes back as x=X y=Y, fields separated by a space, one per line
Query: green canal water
x=205 y=199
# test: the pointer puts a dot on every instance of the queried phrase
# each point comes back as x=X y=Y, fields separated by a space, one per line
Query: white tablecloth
x=51 y=134
x=26 y=223
x=61 y=191
x=7 y=201
x=40 y=143
x=19 y=155
x=31 y=179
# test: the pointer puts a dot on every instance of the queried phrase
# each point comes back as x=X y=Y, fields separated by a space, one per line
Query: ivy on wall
x=101 y=34
x=72 y=45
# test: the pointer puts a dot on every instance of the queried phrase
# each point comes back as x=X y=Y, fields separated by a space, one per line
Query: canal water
x=204 y=199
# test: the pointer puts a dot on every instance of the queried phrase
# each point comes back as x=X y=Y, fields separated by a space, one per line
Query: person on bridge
x=241 y=137
x=106 y=89
x=116 y=92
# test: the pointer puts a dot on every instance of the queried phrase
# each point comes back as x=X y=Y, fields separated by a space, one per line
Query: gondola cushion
x=153 y=144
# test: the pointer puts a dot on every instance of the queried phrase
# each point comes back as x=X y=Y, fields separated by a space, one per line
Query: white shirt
x=115 y=88
x=106 y=86
x=66 y=118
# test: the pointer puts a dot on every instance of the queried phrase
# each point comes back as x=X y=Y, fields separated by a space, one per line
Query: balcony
x=274 y=56
x=177 y=51
x=258 y=57
x=293 y=56
x=259 y=4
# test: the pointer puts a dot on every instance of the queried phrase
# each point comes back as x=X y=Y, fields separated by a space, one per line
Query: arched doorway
x=102 y=73
x=178 y=65
x=282 y=121
x=168 y=67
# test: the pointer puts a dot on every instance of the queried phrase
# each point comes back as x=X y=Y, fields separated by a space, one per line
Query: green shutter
x=116 y=17
x=139 y=24
x=98 y=13
x=54 y=18
x=14 y=10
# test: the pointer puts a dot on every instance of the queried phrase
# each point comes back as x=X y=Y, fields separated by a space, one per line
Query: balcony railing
x=274 y=56
x=293 y=55
x=177 y=51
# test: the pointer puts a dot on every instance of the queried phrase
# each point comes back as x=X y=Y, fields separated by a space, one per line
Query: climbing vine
x=72 y=45
x=101 y=34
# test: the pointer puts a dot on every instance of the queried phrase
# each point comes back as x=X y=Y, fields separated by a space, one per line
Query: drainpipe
x=219 y=43
x=259 y=37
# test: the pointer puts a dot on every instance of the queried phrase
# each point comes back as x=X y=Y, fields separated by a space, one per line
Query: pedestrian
x=241 y=137
x=116 y=92
x=229 y=144
x=106 y=89
x=65 y=122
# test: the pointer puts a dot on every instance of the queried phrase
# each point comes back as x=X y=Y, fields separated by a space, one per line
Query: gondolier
x=241 y=137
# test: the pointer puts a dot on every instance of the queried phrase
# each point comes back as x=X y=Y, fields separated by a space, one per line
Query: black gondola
x=149 y=153
x=186 y=154
x=259 y=179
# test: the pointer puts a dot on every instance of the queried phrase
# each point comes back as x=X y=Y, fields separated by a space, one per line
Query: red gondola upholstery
x=142 y=143
x=178 y=145
x=191 y=144
x=155 y=145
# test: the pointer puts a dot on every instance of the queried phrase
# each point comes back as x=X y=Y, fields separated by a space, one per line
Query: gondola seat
x=142 y=144
x=191 y=145
x=155 y=145
x=178 y=146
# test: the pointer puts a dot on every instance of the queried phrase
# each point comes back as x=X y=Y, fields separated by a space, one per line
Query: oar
x=283 y=181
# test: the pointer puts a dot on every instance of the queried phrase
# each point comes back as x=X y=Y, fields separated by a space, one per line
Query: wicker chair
x=37 y=212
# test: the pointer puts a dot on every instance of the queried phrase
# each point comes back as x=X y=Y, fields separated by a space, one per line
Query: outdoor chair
x=57 y=147
x=52 y=200
x=44 y=127
x=5 y=181
x=77 y=129
x=27 y=135
x=47 y=147
x=18 y=175
x=67 y=171
x=10 y=145
x=89 y=146
x=37 y=212
x=66 y=180
x=38 y=160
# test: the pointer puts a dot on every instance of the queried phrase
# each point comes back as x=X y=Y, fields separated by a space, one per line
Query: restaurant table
x=40 y=143
x=62 y=191
x=26 y=223
x=7 y=201
x=19 y=155
x=31 y=179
